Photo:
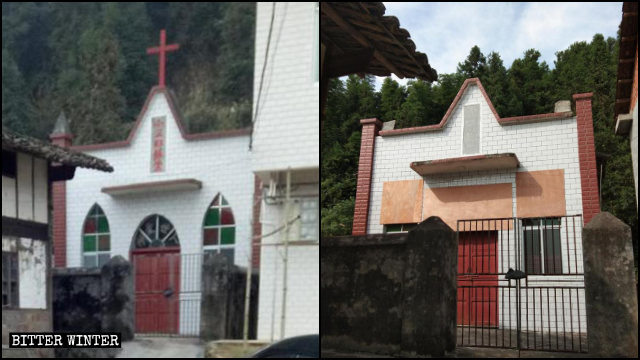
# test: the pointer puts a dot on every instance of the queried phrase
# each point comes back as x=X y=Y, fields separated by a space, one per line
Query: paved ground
x=162 y=347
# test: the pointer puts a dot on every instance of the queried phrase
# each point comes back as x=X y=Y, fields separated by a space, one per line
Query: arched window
x=96 y=238
x=155 y=231
x=219 y=229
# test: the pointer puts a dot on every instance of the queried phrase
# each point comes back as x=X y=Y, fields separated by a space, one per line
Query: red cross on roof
x=162 y=50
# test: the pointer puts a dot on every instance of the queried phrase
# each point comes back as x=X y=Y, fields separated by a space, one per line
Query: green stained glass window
x=96 y=238
x=89 y=243
x=219 y=230
x=228 y=236
x=213 y=217
x=103 y=226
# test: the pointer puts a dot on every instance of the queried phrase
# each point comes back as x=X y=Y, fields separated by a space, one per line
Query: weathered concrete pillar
x=429 y=305
x=214 y=307
x=117 y=297
x=612 y=305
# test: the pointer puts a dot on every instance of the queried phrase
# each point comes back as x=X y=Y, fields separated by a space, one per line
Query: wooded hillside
x=89 y=59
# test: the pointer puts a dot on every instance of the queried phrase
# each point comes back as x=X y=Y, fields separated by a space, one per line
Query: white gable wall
x=222 y=165
x=538 y=146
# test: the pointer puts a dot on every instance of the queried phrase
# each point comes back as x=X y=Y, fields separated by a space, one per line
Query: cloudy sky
x=447 y=31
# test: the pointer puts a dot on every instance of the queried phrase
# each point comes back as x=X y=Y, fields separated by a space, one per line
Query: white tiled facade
x=545 y=145
x=222 y=165
x=287 y=136
x=286 y=132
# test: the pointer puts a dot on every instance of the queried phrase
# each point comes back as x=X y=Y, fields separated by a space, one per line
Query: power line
x=264 y=68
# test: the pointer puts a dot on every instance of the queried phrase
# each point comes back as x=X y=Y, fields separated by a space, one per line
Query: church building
x=172 y=197
x=517 y=190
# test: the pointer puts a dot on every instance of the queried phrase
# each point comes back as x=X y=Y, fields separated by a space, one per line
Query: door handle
x=168 y=292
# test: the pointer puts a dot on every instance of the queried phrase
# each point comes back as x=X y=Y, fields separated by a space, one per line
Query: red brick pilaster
x=257 y=226
x=59 y=217
x=370 y=128
x=587 y=156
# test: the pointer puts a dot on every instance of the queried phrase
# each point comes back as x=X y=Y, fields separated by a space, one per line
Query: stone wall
x=392 y=294
x=223 y=299
x=94 y=300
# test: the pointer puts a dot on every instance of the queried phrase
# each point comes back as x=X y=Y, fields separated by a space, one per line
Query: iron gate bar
x=484 y=289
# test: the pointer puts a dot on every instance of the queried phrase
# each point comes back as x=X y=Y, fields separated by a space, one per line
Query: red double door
x=477 y=278
x=157 y=290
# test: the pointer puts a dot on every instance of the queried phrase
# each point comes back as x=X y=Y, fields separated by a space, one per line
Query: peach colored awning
x=466 y=163
x=156 y=186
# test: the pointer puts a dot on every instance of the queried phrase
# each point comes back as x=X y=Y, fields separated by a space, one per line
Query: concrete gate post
x=429 y=304
x=610 y=289
x=117 y=297
x=214 y=307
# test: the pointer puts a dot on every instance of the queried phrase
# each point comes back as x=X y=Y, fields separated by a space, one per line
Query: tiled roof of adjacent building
x=627 y=57
x=384 y=47
x=20 y=143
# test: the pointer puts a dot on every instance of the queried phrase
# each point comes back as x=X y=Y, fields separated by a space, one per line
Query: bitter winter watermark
x=55 y=340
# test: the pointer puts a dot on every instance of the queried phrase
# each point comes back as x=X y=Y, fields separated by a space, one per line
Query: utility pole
x=287 y=209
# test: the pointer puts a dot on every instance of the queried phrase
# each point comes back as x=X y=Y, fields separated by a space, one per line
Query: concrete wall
x=391 y=294
x=612 y=301
x=223 y=299
x=94 y=300
x=286 y=132
x=20 y=320
x=223 y=166
x=32 y=267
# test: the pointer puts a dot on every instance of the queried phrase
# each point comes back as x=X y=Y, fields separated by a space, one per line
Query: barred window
x=10 y=285
x=542 y=246
x=309 y=217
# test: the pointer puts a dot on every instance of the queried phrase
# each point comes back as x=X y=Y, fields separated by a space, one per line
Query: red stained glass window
x=211 y=236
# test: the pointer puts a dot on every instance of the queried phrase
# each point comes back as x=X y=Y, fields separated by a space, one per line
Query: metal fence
x=521 y=284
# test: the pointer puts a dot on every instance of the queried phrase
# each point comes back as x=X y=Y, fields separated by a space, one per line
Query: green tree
x=474 y=66
x=13 y=97
x=529 y=82
x=392 y=95
x=496 y=83
x=130 y=24
x=97 y=118
x=418 y=107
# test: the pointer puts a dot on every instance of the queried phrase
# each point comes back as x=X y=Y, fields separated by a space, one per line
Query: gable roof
x=50 y=152
x=176 y=115
x=502 y=121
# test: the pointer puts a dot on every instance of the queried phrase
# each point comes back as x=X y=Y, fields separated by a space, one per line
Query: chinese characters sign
x=158 y=139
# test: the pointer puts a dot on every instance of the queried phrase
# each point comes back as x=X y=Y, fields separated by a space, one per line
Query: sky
x=446 y=32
